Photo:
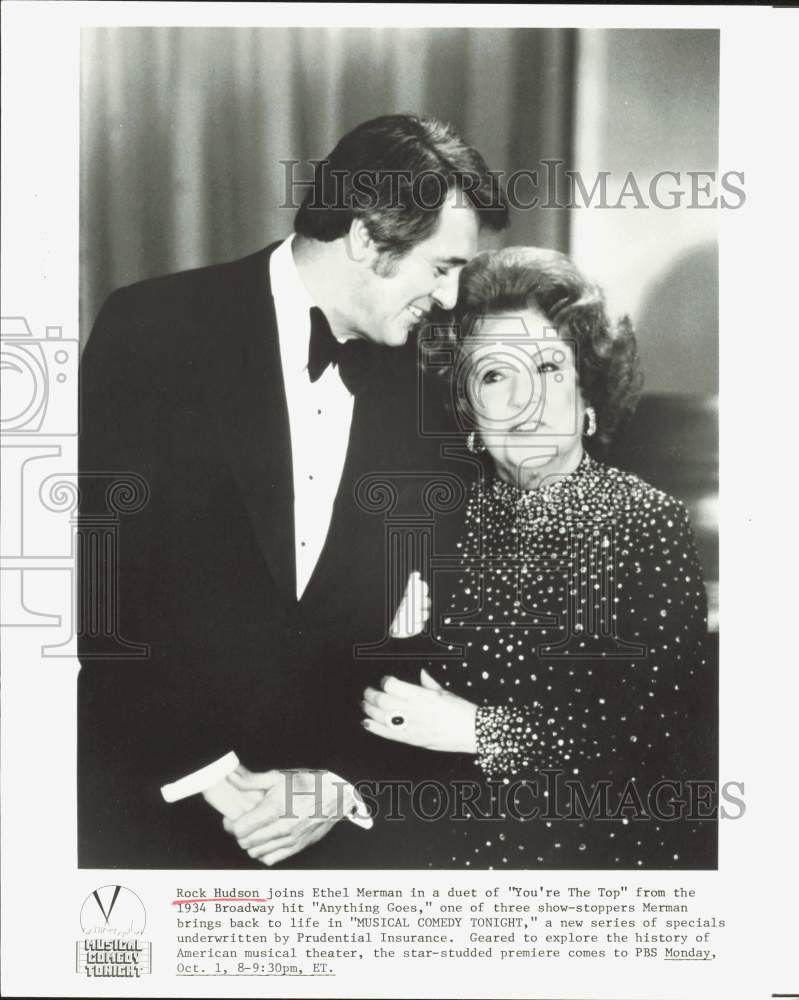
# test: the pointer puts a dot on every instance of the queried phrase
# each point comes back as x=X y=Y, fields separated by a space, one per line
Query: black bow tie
x=354 y=358
x=323 y=348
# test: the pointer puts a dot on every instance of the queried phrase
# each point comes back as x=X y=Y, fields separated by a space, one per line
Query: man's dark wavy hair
x=395 y=172
x=520 y=278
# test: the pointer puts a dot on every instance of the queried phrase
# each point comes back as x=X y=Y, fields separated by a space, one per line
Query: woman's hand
x=423 y=715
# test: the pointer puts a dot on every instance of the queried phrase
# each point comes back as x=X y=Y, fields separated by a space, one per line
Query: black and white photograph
x=411 y=558
x=395 y=508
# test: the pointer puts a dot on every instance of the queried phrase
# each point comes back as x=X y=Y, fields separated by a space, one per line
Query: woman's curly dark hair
x=519 y=278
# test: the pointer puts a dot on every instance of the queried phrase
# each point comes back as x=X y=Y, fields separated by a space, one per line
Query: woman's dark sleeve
x=622 y=701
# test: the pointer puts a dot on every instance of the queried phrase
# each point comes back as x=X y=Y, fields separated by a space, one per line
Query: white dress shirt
x=320 y=416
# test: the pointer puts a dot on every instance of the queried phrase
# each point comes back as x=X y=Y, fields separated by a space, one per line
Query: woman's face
x=519 y=379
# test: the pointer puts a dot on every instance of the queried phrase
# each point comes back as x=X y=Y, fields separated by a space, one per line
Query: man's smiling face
x=399 y=295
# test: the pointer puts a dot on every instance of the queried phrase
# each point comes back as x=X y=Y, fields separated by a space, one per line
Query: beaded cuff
x=503 y=734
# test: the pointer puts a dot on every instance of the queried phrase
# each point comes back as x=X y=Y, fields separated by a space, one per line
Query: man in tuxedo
x=252 y=399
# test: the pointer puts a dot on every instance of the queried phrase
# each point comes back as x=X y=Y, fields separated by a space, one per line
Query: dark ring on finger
x=397 y=720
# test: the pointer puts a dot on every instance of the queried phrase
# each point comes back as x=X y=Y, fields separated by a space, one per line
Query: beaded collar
x=556 y=490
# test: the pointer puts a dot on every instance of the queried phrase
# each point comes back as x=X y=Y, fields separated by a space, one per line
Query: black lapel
x=244 y=380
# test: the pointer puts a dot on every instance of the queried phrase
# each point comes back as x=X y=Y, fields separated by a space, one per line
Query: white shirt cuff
x=357 y=810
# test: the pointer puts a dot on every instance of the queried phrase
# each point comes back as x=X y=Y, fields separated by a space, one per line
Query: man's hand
x=297 y=809
x=423 y=715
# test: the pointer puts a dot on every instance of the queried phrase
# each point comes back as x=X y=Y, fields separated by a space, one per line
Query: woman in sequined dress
x=567 y=728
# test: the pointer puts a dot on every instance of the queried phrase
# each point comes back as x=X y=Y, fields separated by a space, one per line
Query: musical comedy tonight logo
x=113 y=919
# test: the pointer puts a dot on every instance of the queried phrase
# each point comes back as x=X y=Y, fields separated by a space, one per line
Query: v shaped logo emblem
x=107 y=915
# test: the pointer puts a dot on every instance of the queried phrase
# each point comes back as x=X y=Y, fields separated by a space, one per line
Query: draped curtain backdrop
x=183 y=130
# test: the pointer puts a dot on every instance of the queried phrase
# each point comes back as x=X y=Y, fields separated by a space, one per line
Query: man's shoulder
x=162 y=316
x=194 y=288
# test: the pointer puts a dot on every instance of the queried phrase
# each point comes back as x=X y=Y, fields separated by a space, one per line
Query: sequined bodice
x=579 y=613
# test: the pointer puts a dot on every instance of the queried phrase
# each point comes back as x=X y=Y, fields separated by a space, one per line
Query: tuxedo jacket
x=181 y=385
